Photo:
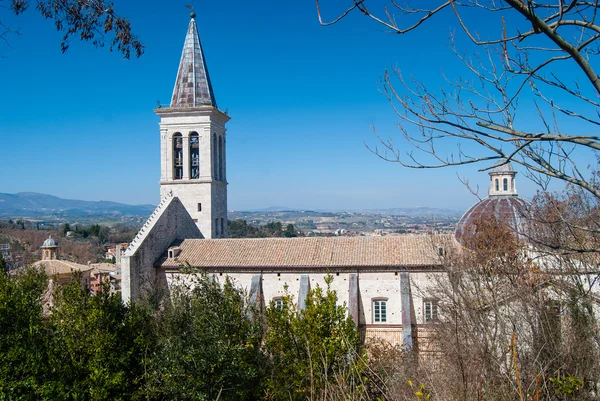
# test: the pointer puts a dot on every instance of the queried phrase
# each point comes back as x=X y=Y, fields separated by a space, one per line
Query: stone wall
x=169 y=222
x=372 y=285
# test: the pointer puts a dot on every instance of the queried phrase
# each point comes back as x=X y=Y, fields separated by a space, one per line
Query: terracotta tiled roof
x=104 y=267
x=310 y=252
x=52 y=267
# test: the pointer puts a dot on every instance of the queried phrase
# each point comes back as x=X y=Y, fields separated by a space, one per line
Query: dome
x=50 y=243
x=503 y=204
x=510 y=210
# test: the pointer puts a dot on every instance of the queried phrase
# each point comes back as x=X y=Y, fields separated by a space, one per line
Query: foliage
x=203 y=342
x=208 y=345
x=88 y=20
x=568 y=385
x=420 y=393
x=290 y=231
x=23 y=362
x=241 y=229
x=97 y=345
x=312 y=349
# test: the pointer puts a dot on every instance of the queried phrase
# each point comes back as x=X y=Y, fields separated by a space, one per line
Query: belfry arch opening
x=177 y=156
x=214 y=157
x=194 y=155
x=221 y=175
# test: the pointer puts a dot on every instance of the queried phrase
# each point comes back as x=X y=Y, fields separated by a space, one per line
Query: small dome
x=510 y=210
x=50 y=243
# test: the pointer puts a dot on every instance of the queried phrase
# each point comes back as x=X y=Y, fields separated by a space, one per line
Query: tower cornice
x=192 y=112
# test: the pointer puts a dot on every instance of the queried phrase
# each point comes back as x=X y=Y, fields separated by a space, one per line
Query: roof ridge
x=149 y=223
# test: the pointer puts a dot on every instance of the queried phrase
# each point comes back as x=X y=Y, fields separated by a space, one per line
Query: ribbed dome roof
x=50 y=243
x=510 y=210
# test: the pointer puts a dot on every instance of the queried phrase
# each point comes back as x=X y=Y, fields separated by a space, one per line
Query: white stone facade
x=169 y=222
x=397 y=328
x=205 y=195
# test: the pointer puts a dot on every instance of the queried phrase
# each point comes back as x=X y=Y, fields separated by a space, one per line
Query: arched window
x=505 y=184
x=194 y=155
x=497 y=185
x=512 y=184
x=221 y=176
x=214 y=157
x=177 y=156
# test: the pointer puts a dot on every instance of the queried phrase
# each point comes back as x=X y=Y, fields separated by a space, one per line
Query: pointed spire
x=192 y=86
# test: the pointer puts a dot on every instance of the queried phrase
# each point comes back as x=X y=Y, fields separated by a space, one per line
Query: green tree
x=3 y=265
x=23 y=361
x=241 y=229
x=312 y=349
x=66 y=228
x=274 y=229
x=208 y=345
x=290 y=231
x=97 y=346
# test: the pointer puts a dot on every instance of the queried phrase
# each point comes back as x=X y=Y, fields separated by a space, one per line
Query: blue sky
x=302 y=100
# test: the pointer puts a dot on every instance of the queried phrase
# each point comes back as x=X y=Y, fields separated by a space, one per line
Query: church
x=383 y=280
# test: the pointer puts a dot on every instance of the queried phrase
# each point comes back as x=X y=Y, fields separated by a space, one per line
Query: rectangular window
x=222 y=227
x=430 y=310
x=380 y=311
x=216 y=228
x=199 y=207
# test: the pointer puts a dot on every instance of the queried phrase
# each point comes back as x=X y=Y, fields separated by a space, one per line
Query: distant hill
x=32 y=204
x=416 y=211
x=420 y=211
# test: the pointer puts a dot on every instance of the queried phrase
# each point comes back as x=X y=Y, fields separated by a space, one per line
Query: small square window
x=380 y=311
x=278 y=303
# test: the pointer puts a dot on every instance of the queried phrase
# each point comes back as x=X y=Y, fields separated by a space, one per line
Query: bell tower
x=192 y=142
